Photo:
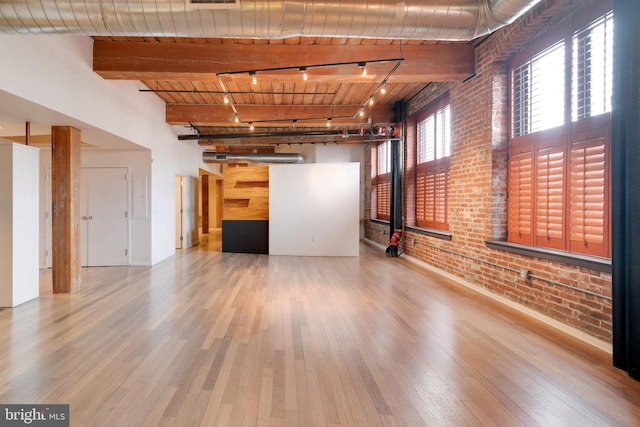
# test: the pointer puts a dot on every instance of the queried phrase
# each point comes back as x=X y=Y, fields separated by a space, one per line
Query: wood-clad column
x=65 y=180
x=205 y=204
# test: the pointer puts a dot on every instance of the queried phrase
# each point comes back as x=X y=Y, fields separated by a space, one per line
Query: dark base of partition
x=245 y=236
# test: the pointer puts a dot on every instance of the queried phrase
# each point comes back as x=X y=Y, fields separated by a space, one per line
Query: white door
x=105 y=224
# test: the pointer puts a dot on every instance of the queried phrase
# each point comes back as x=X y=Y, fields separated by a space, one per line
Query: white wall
x=51 y=78
x=313 y=209
x=18 y=224
x=344 y=154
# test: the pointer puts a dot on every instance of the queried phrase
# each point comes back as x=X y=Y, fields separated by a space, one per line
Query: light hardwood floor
x=210 y=338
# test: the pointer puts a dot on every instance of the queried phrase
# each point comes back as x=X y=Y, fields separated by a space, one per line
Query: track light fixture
x=381 y=88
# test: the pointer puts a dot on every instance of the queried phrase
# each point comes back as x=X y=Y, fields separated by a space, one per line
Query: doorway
x=186 y=211
x=104 y=195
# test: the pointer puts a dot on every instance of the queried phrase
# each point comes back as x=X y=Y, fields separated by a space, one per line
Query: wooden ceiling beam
x=222 y=115
x=192 y=61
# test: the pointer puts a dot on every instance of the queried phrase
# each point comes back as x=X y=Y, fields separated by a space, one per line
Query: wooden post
x=205 y=204
x=65 y=180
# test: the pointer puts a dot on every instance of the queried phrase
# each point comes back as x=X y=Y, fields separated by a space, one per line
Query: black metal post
x=395 y=216
x=625 y=185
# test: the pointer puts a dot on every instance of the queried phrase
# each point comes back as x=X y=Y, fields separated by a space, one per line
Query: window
x=558 y=170
x=433 y=148
x=381 y=181
x=592 y=70
x=537 y=84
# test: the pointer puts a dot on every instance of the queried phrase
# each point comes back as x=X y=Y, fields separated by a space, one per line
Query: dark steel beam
x=625 y=177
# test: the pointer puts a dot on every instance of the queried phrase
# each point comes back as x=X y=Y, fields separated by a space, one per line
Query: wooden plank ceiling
x=193 y=76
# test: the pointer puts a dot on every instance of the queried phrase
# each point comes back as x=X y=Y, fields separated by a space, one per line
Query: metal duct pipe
x=215 y=157
x=264 y=19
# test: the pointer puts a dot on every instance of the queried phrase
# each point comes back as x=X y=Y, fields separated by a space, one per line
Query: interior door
x=105 y=224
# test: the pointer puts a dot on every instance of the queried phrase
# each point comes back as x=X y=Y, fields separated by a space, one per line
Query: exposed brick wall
x=477 y=197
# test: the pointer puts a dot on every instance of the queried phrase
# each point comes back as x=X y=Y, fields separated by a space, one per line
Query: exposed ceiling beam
x=197 y=61
x=222 y=115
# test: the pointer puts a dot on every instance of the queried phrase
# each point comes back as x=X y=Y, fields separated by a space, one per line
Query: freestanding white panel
x=314 y=209
x=19 y=225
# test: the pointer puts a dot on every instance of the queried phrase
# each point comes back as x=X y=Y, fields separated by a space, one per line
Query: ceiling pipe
x=202 y=137
x=264 y=19
x=383 y=130
x=218 y=157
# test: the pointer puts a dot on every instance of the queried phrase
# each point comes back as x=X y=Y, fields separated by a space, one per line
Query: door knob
x=84 y=217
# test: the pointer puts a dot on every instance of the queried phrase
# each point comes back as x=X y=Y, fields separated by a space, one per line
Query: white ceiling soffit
x=266 y=19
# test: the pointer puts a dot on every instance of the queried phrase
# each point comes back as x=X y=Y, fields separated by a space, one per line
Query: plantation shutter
x=383 y=181
x=426 y=138
x=373 y=209
x=433 y=150
x=521 y=100
x=440 y=197
x=384 y=197
x=429 y=199
x=558 y=170
x=588 y=204
x=593 y=68
x=549 y=223
x=421 y=182
x=520 y=202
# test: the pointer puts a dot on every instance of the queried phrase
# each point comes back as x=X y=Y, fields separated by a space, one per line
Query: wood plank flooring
x=216 y=339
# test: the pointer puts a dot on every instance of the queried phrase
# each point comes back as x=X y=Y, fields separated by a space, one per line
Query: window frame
x=437 y=169
x=381 y=183
x=564 y=138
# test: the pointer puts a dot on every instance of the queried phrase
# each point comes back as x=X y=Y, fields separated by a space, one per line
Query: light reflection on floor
x=211 y=242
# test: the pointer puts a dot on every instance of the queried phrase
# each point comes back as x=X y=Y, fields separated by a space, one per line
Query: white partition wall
x=19 y=225
x=314 y=209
